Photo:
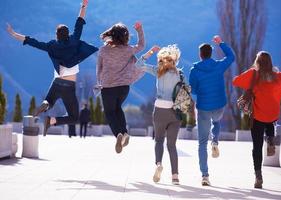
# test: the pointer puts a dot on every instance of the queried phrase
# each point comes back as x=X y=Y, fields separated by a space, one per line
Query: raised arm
x=14 y=34
x=140 y=45
x=27 y=40
x=82 y=11
x=229 y=55
x=80 y=20
x=147 y=67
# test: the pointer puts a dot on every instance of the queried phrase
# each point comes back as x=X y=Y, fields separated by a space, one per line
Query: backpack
x=183 y=103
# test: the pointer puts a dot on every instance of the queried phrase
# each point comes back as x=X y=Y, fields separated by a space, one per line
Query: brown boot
x=259 y=181
x=270 y=146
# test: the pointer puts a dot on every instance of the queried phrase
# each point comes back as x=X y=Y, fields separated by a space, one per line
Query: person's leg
x=269 y=131
x=85 y=130
x=123 y=93
x=216 y=117
x=159 y=123
x=204 y=126
x=51 y=98
x=172 y=135
x=109 y=100
x=49 y=101
x=257 y=132
x=81 y=129
x=70 y=101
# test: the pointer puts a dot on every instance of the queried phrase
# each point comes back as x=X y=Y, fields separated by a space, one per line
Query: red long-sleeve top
x=267 y=95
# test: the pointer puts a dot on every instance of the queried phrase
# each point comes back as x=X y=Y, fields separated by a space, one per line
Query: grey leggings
x=165 y=122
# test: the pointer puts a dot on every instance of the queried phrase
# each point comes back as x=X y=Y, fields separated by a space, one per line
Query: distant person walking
x=115 y=73
x=66 y=52
x=166 y=124
x=84 y=119
x=266 y=106
x=207 y=83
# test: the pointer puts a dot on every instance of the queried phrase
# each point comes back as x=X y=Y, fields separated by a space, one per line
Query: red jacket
x=267 y=95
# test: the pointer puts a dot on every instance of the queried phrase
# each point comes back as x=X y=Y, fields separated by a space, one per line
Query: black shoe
x=46 y=125
x=42 y=108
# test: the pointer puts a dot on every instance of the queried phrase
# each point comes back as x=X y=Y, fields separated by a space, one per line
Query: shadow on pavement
x=188 y=191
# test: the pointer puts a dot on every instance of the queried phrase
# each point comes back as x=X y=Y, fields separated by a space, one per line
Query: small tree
x=32 y=106
x=17 y=111
x=92 y=110
x=3 y=102
x=98 y=117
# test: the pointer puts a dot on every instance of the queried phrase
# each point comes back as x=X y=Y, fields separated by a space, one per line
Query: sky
x=187 y=23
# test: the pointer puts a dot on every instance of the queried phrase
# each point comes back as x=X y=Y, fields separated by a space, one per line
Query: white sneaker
x=205 y=181
x=125 y=139
x=157 y=174
x=118 y=145
x=215 y=150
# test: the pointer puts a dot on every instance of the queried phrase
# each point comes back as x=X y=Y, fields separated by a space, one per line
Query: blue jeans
x=205 y=119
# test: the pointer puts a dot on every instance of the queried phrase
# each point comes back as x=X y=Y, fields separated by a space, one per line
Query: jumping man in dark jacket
x=66 y=52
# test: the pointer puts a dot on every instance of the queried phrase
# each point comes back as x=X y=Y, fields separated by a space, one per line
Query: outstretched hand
x=138 y=25
x=153 y=50
x=10 y=29
x=217 y=39
x=85 y=3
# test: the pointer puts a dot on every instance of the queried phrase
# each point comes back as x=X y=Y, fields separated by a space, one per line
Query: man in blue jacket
x=66 y=52
x=207 y=83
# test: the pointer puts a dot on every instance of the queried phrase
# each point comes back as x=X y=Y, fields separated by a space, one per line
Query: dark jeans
x=83 y=125
x=65 y=90
x=257 y=132
x=112 y=99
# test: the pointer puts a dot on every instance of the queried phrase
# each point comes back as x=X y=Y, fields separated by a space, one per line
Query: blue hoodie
x=207 y=80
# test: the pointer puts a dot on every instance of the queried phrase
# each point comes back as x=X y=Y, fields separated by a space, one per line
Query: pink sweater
x=111 y=70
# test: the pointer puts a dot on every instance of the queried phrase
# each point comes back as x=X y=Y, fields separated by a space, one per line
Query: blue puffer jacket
x=207 y=80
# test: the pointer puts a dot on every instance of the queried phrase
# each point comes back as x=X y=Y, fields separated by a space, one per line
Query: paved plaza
x=82 y=169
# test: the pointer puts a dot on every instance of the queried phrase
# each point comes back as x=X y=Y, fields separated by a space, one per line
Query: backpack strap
x=181 y=76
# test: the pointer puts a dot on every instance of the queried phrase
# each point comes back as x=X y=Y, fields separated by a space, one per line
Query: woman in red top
x=266 y=110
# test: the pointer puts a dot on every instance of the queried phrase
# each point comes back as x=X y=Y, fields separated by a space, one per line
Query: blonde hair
x=168 y=58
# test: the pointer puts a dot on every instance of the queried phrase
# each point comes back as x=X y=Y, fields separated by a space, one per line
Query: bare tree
x=243 y=26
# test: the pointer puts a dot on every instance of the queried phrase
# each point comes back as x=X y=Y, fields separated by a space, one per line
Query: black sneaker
x=46 y=125
x=42 y=108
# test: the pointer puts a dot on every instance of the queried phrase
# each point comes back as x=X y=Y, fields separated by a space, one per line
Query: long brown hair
x=263 y=63
x=118 y=34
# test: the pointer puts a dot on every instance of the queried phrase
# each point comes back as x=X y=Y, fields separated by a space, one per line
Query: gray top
x=111 y=67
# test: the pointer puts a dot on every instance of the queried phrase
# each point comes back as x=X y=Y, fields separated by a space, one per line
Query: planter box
x=6 y=141
x=17 y=127
x=184 y=134
x=243 y=135
x=95 y=130
x=275 y=160
x=106 y=130
x=150 y=131
x=14 y=144
x=227 y=136
x=56 y=130
x=138 y=132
